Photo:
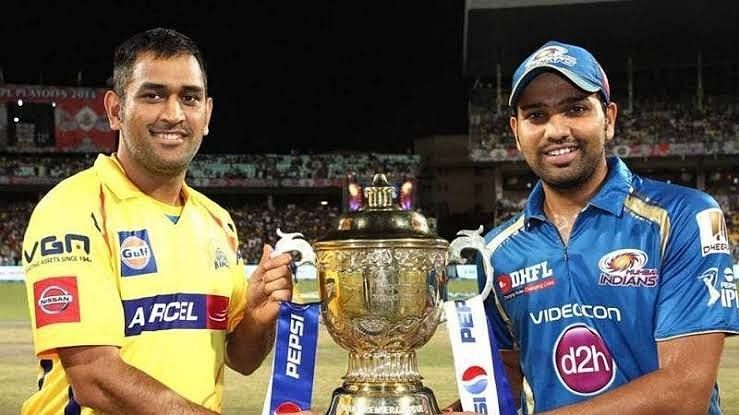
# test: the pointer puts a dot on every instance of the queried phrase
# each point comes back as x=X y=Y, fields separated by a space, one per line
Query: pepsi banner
x=481 y=380
x=291 y=386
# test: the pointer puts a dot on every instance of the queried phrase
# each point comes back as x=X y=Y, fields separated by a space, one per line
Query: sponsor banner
x=12 y=273
x=296 y=342
x=57 y=119
x=175 y=311
x=255 y=182
x=479 y=371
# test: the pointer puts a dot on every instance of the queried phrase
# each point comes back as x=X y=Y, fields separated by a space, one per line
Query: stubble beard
x=583 y=172
x=146 y=158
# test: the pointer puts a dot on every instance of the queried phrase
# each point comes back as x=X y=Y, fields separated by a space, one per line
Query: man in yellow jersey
x=136 y=294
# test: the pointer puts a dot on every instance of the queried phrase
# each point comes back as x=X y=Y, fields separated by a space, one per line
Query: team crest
x=221 y=260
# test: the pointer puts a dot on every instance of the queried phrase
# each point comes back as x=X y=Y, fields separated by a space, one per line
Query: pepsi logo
x=475 y=379
x=135 y=252
x=54 y=300
x=287 y=408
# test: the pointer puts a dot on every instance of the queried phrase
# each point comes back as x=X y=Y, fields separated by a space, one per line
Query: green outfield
x=245 y=395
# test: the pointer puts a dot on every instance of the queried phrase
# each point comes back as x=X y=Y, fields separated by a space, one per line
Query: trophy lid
x=380 y=217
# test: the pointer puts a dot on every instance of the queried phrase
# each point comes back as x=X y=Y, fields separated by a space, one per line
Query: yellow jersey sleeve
x=72 y=292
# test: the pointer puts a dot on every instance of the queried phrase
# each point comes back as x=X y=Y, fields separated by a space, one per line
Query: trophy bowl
x=382 y=279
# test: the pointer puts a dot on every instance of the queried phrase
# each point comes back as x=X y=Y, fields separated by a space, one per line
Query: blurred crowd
x=34 y=168
x=256 y=224
x=649 y=122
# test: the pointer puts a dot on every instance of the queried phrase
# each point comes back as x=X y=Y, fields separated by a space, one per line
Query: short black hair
x=159 y=41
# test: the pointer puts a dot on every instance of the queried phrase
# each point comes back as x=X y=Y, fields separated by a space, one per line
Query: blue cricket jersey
x=646 y=261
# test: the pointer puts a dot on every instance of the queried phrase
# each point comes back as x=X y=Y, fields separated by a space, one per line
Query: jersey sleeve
x=698 y=288
x=495 y=320
x=72 y=292
x=237 y=303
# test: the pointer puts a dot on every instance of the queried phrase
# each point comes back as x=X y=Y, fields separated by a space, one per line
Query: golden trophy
x=382 y=277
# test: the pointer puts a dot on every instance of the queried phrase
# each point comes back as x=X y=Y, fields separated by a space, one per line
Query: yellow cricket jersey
x=107 y=265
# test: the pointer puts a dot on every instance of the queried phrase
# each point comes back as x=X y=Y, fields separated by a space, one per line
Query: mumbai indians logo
x=621 y=261
x=136 y=255
x=551 y=55
x=475 y=380
x=625 y=267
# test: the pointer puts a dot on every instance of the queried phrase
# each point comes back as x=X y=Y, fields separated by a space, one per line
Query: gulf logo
x=137 y=256
x=287 y=408
x=475 y=380
x=135 y=252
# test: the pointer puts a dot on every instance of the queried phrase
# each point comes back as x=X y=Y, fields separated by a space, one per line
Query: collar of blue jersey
x=610 y=197
x=114 y=177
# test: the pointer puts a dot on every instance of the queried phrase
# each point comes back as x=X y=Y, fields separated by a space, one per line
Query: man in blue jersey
x=613 y=292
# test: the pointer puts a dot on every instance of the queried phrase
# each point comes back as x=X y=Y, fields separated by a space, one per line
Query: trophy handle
x=472 y=239
x=300 y=248
x=295 y=244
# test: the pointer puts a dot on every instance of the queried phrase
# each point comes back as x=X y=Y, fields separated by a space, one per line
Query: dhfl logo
x=137 y=257
x=56 y=301
x=475 y=380
x=505 y=284
x=286 y=408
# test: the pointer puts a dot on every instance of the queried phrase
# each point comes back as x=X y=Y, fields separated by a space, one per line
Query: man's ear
x=513 y=122
x=611 y=114
x=113 y=109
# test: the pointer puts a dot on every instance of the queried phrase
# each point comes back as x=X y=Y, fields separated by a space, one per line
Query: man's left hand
x=270 y=283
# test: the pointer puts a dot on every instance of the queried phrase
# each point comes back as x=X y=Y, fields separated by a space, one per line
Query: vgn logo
x=137 y=257
x=51 y=246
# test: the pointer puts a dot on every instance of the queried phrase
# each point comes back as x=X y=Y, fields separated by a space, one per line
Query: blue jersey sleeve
x=698 y=287
x=498 y=326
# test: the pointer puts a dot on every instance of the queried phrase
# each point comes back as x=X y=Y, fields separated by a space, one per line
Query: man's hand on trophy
x=270 y=283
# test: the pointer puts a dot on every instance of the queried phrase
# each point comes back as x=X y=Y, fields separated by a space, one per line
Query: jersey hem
x=727 y=331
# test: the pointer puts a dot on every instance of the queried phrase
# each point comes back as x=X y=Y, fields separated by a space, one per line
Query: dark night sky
x=310 y=75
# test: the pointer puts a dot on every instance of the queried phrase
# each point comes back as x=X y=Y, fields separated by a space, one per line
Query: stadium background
x=311 y=100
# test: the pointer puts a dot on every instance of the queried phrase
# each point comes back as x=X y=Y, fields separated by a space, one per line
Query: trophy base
x=383 y=399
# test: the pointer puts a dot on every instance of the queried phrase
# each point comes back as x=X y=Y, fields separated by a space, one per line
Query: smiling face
x=561 y=132
x=162 y=116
